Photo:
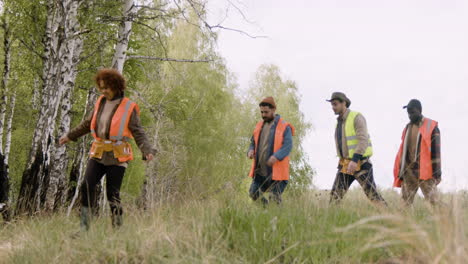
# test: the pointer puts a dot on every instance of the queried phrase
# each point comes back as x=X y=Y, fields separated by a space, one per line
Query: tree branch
x=31 y=49
x=82 y=32
x=210 y=27
x=156 y=111
x=159 y=8
x=136 y=57
x=235 y=30
x=240 y=11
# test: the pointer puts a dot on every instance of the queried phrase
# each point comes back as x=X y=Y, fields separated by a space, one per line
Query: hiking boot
x=85 y=218
x=117 y=220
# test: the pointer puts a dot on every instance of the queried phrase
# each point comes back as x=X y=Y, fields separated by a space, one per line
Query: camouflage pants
x=365 y=177
x=411 y=183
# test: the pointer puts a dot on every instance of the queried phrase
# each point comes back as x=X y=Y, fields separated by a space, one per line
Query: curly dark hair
x=112 y=78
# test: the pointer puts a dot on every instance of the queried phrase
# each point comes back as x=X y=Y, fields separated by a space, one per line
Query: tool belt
x=344 y=163
x=121 y=149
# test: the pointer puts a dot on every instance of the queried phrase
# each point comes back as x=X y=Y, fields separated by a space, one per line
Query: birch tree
x=71 y=51
x=11 y=114
x=125 y=29
x=5 y=76
x=4 y=154
x=62 y=45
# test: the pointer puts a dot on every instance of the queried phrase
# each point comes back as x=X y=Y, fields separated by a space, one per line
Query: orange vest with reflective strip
x=281 y=167
x=119 y=130
x=425 y=153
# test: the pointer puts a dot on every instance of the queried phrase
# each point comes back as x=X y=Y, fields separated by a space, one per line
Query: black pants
x=94 y=173
x=365 y=177
x=4 y=189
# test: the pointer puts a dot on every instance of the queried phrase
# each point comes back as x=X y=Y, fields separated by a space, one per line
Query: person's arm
x=82 y=129
x=139 y=134
x=251 y=151
x=362 y=135
x=252 y=144
x=435 y=154
x=287 y=146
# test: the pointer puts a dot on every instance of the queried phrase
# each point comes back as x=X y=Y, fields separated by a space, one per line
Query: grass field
x=231 y=229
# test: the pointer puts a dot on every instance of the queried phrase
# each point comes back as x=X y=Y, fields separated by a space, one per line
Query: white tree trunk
x=48 y=76
x=125 y=29
x=36 y=94
x=148 y=195
x=4 y=177
x=157 y=187
x=69 y=55
x=58 y=168
x=6 y=77
x=79 y=162
x=9 y=128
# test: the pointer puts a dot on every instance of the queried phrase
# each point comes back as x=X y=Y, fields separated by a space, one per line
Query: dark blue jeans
x=261 y=184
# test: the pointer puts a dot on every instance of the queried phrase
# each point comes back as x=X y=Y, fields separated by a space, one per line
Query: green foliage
x=134 y=175
x=202 y=138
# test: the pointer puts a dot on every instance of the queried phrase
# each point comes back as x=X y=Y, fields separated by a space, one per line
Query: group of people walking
x=115 y=120
x=417 y=164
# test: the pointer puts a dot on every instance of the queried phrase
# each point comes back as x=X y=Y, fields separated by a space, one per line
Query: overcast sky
x=380 y=53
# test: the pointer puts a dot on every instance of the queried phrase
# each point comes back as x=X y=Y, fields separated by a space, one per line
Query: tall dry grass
x=228 y=228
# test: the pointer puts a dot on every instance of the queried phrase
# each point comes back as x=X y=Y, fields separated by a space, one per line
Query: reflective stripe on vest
x=425 y=153
x=280 y=169
x=351 y=136
x=123 y=122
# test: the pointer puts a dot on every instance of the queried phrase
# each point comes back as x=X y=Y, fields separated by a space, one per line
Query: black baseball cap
x=414 y=103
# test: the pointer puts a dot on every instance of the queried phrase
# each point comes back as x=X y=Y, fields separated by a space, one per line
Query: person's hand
x=272 y=160
x=352 y=168
x=149 y=157
x=64 y=140
x=251 y=154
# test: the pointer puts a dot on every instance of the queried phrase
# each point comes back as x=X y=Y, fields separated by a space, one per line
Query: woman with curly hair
x=113 y=122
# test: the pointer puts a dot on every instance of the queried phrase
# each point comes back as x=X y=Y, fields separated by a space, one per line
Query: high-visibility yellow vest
x=351 y=138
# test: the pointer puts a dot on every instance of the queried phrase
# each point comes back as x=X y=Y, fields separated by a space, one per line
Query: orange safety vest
x=425 y=153
x=119 y=131
x=281 y=167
